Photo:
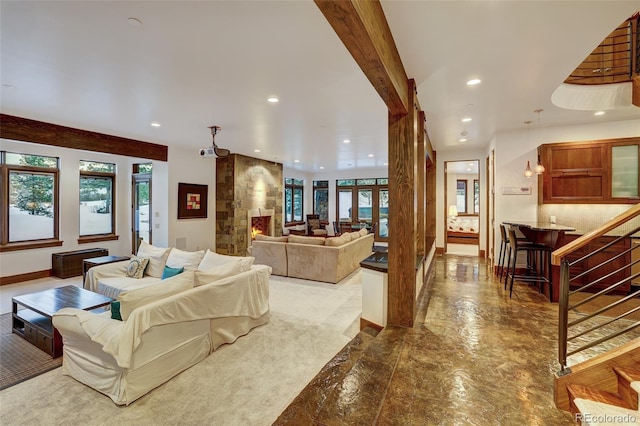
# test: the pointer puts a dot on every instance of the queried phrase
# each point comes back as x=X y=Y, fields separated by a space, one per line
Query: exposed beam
x=363 y=28
x=27 y=130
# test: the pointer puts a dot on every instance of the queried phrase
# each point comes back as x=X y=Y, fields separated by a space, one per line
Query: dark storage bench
x=69 y=263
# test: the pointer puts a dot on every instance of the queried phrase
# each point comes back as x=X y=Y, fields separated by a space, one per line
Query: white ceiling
x=191 y=65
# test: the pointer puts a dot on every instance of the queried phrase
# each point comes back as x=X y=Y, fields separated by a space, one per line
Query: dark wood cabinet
x=581 y=172
x=613 y=272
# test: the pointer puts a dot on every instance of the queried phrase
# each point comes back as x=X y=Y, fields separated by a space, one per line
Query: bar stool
x=505 y=253
x=537 y=256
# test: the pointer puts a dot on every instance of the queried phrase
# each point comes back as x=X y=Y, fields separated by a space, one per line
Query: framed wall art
x=192 y=201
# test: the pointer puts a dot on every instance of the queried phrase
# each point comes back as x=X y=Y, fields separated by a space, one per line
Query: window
x=30 y=188
x=476 y=196
x=97 y=196
x=461 y=195
x=321 y=199
x=293 y=200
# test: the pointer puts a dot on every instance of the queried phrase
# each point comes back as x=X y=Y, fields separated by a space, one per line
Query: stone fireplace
x=261 y=222
x=248 y=195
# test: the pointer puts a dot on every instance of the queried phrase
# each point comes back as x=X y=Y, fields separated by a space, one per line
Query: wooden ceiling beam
x=363 y=29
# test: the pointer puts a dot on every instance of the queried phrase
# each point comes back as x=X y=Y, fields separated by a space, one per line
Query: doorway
x=462 y=204
x=141 y=205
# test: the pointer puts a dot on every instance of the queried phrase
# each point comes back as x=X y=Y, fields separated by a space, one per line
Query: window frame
x=466 y=194
x=90 y=174
x=293 y=184
x=5 y=170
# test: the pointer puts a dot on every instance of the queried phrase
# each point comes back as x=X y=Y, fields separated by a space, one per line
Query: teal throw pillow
x=170 y=272
x=115 y=310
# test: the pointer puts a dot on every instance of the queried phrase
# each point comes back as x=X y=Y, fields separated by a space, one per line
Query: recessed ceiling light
x=471 y=164
x=466 y=119
x=462 y=140
x=256 y=150
x=134 y=22
x=346 y=141
x=473 y=82
x=469 y=169
x=370 y=155
x=155 y=124
x=385 y=164
x=296 y=161
x=321 y=167
x=273 y=100
x=598 y=113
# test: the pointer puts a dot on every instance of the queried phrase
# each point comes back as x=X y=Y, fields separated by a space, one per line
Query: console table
x=102 y=260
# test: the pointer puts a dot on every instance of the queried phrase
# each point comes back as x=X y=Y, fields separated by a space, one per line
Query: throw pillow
x=219 y=272
x=212 y=259
x=157 y=258
x=170 y=272
x=355 y=235
x=336 y=241
x=115 y=310
x=363 y=232
x=187 y=259
x=132 y=299
x=136 y=266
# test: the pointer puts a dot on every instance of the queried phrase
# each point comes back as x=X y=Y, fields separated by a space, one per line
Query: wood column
x=430 y=190
x=402 y=217
x=420 y=185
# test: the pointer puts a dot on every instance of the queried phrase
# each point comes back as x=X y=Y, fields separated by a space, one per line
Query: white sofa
x=161 y=338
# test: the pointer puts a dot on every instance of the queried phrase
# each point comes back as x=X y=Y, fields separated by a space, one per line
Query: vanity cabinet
x=590 y=172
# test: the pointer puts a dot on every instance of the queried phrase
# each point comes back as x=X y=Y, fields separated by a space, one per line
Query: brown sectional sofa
x=313 y=258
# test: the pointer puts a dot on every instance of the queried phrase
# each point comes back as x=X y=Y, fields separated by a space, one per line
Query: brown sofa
x=313 y=258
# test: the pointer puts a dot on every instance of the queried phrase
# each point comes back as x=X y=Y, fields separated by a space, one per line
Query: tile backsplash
x=586 y=217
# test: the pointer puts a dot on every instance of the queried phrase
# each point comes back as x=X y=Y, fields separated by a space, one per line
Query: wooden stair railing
x=581 y=324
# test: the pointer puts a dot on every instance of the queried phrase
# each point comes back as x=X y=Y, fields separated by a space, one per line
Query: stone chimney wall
x=244 y=183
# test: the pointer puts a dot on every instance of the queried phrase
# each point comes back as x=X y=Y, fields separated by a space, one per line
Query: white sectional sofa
x=166 y=325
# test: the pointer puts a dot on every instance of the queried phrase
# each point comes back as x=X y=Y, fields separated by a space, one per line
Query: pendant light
x=528 y=172
x=539 y=169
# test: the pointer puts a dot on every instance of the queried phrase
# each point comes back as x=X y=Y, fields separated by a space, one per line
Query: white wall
x=183 y=166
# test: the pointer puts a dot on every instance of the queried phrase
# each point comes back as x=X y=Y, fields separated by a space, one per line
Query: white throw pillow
x=130 y=300
x=212 y=259
x=189 y=260
x=157 y=258
x=219 y=272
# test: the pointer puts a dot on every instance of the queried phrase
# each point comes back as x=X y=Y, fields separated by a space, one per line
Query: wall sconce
x=453 y=211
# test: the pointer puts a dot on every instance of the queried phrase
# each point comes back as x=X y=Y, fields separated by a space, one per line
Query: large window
x=476 y=196
x=370 y=197
x=30 y=201
x=293 y=200
x=97 y=196
x=321 y=199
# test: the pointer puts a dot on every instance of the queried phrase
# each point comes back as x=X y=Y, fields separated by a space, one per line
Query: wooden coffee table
x=34 y=322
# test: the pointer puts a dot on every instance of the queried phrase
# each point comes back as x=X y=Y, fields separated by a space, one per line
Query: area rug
x=19 y=359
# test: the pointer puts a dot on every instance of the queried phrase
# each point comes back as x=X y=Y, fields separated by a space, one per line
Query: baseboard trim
x=366 y=323
x=13 y=279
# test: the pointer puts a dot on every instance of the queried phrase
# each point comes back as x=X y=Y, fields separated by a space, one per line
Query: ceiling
x=190 y=65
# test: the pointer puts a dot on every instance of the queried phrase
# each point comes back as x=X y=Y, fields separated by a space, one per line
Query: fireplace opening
x=260 y=225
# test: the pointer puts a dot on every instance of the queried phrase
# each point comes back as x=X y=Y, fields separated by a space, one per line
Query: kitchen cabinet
x=596 y=172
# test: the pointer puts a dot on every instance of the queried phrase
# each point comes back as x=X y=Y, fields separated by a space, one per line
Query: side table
x=102 y=260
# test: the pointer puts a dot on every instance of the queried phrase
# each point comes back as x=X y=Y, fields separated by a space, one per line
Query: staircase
x=353 y=382
x=604 y=389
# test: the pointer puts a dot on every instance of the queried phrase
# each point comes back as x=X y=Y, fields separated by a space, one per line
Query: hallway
x=476 y=358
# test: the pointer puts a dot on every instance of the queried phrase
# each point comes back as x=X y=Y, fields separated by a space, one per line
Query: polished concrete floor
x=474 y=357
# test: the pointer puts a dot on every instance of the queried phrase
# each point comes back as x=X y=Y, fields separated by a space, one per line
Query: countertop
x=379 y=261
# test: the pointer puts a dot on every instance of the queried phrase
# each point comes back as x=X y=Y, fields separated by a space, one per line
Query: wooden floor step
x=592 y=394
x=627 y=375
x=306 y=406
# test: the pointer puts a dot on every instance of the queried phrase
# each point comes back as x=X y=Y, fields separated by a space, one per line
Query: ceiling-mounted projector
x=207 y=152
